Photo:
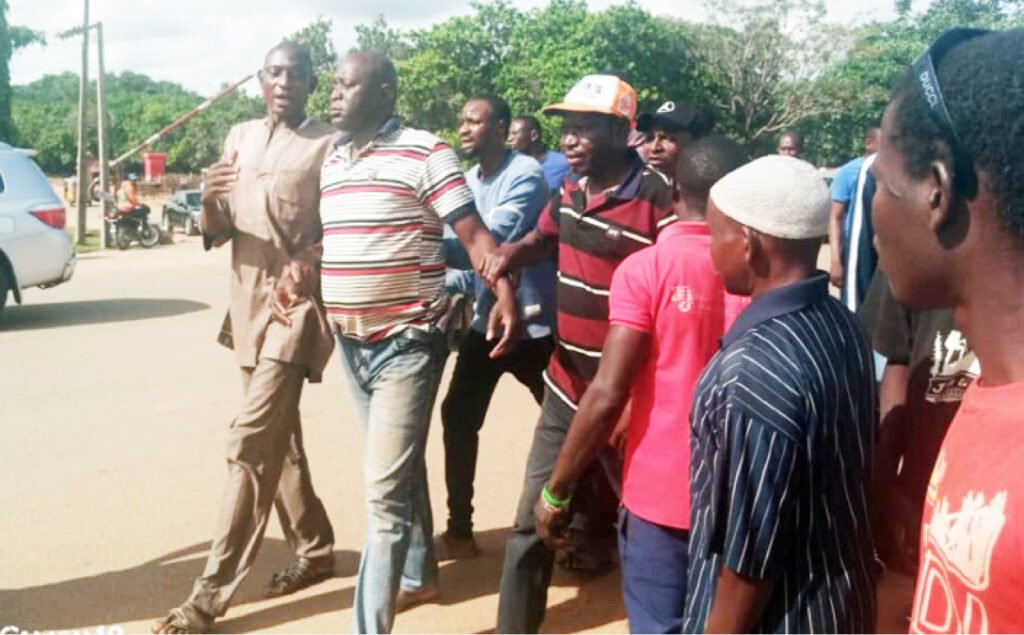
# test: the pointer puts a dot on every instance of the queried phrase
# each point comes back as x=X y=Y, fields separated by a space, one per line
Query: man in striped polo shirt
x=616 y=207
x=783 y=425
x=386 y=191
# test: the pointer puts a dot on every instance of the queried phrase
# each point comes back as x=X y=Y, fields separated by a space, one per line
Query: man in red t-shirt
x=667 y=312
x=949 y=222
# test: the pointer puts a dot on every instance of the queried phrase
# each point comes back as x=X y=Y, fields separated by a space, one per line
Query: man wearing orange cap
x=615 y=208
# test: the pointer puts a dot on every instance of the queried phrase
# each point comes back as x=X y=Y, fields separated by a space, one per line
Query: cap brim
x=649 y=120
x=563 y=108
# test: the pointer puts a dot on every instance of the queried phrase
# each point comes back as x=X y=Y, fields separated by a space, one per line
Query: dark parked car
x=182 y=210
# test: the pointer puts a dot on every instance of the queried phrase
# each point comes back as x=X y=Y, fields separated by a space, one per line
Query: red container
x=153 y=165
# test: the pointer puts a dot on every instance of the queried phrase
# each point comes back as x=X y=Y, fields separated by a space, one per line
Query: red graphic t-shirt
x=971 y=578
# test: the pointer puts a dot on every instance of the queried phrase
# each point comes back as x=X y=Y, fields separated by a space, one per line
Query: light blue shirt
x=509 y=201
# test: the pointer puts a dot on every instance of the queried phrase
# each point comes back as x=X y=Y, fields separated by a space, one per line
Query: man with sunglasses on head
x=263 y=198
x=949 y=221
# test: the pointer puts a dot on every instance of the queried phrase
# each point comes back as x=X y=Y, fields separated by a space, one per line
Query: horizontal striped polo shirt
x=781 y=444
x=382 y=209
x=593 y=238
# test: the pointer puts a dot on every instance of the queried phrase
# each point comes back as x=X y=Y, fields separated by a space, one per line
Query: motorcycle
x=126 y=227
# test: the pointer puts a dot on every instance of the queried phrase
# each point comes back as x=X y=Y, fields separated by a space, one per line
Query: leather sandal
x=296 y=577
x=182 y=620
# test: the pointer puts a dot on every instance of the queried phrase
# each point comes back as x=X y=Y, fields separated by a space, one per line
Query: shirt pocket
x=294 y=205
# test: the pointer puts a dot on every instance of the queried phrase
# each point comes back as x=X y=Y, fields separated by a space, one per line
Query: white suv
x=35 y=249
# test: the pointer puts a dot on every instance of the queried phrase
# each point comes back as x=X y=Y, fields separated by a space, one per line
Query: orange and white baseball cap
x=601 y=94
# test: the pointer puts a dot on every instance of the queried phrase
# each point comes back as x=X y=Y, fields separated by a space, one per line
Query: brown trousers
x=266 y=463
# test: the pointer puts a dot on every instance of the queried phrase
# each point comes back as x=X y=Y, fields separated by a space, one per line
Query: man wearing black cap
x=673 y=125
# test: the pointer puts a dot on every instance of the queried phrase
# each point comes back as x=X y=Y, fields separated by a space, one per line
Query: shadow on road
x=149 y=590
x=598 y=601
x=31 y=317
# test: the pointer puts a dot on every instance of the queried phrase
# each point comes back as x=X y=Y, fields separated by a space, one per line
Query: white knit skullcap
x=777 y=195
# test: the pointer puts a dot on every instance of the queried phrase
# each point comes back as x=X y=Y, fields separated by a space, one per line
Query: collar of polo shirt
x=777 y=302
x=391 y=125
x=629 y=188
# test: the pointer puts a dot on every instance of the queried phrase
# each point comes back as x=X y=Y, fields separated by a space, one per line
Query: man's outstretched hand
x=298 y=281
x=504 y=316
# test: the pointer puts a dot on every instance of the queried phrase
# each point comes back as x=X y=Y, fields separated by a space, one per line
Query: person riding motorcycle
x=128 y=197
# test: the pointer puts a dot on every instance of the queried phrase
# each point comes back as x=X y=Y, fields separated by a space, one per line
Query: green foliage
x=45 y=117
x=764 y=66
x=317 y=36
x=6 y=126
x=378 y=37
x=533 y=58
x=12 y=38
x=23 y=36
x=881 y=51
x=766 y=60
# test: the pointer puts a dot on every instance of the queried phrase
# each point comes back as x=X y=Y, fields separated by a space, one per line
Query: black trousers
x=526 y=574
x=465 y=407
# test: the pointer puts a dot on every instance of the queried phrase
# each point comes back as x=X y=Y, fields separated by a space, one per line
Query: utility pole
x=83 y=170
x=101 y=128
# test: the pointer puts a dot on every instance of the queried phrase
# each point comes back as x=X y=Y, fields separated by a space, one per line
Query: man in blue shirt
x=849 y=231
x=524 y=135
x=510 y=193
x=783 y=425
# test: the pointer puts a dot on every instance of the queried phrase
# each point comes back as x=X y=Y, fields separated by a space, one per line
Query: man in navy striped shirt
x=783 y=425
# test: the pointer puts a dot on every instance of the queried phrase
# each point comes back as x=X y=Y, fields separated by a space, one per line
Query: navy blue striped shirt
x=783 y=429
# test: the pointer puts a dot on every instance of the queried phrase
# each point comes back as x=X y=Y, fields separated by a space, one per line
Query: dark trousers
x=464 y=408
x=526 y=574
x=655 y=566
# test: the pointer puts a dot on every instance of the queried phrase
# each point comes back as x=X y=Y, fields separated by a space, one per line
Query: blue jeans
x=394 y=383
x=655 y=566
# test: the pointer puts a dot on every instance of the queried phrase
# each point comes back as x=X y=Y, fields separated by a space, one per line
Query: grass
x=92 y=240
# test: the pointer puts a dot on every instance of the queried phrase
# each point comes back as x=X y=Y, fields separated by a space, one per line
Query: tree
x=450 y=62
x=317 y=36
x=12 y=38
x=44 y=113
x=881 y=52
x=769 y=63
x=532 y=58
x=378 y=37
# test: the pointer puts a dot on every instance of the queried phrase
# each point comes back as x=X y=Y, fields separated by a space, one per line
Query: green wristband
x=550 y=499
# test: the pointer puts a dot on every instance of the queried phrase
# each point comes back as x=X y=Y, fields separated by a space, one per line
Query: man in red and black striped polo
x=613 y=207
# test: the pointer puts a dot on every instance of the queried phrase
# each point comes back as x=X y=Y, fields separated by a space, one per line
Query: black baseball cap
x=697 y=119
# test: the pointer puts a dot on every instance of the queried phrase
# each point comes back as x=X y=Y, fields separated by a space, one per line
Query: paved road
x=114 y=399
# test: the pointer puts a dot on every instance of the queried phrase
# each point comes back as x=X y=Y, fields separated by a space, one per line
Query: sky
x=203 y=44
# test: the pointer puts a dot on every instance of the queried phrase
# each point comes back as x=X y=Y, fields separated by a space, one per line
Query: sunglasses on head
x=927 y=81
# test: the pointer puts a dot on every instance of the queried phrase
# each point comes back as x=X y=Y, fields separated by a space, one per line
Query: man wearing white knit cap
x=783 y=424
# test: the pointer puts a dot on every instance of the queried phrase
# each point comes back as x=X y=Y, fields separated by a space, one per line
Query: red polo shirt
x=671 y=292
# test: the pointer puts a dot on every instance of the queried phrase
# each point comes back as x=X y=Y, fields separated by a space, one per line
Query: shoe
x=449 y=547
x=408 y=599
x=184 y=620
x=298 y=576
